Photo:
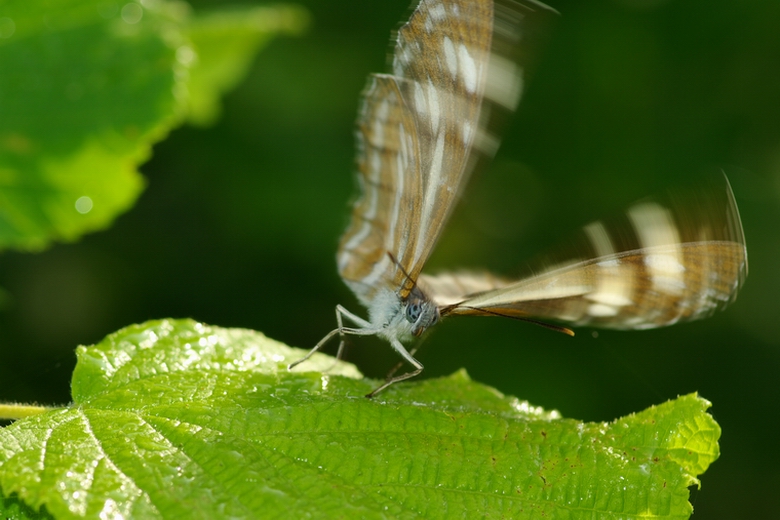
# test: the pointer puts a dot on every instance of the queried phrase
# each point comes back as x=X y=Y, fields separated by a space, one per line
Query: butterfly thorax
x=396 y=317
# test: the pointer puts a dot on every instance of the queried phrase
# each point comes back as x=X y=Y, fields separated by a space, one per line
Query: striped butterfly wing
x=422 y=129
x=664 y=262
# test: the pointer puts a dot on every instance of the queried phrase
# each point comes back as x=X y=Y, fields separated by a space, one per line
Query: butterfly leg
x=412 y=353
x=341 y=330
x=316 y=347
x=357 y=320
x=418 y=367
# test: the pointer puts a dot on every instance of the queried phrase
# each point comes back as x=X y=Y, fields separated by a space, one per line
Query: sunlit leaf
x=175 y=418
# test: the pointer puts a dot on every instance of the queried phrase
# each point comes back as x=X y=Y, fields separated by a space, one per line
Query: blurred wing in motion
x=663 y=262
x=456 y=68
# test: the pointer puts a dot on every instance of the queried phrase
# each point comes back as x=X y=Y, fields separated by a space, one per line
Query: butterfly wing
x=665 y=262
x=390 y=186
x=421 y=131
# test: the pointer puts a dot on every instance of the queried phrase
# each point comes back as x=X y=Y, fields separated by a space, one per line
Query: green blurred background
x=239 y=223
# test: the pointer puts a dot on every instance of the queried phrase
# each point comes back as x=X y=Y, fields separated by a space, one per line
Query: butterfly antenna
x=549 y=326
x=406 y=274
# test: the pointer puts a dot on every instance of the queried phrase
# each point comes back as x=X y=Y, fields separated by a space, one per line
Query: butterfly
x=457 y=70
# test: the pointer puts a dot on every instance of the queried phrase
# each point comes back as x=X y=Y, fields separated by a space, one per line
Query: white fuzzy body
x=387 y=315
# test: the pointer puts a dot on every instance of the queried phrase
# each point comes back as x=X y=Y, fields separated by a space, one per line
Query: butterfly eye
x=413 y=311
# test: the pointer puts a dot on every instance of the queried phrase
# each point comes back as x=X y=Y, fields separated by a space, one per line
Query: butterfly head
x=420 y=312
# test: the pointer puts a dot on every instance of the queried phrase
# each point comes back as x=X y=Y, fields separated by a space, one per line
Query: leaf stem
x=16 y=411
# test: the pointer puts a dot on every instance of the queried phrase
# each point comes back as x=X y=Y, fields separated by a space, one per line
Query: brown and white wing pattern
x=663 y=263
x=421 y=130
x=457 y=68
x=390 y=183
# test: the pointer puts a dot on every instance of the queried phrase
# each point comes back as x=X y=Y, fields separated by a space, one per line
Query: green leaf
x=88 y=86
x=176 y=418
x=225 y=43
x=14 y=509
x=84 y=94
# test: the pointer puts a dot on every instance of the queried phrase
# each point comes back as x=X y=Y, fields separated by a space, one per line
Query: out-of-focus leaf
x=225 y=43
x=88 y=86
